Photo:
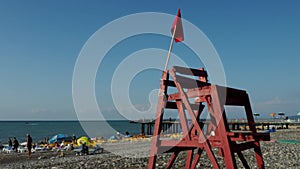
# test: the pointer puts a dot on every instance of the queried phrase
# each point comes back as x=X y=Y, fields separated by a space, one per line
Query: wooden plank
x=172 y=105
x=233 y=96
x=231 y=91
x=262 y=136
x=190 y=71
x=243 y=146
x=191 y=93
x=173 y=157
x=174 y=96
x=189 y=83
x=198 y=92
x=169 y=83
x=230 y=101
x=244 y=161
x=183 y=120
x=158 y=122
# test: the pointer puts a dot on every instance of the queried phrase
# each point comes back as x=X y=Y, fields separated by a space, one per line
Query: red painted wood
x=218 y=134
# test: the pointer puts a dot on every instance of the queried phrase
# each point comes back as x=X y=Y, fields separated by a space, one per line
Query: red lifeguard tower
x=191 y=84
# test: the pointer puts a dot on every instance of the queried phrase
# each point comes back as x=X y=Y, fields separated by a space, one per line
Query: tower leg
x=258 y=156
x=189 y=158
x=243 y=160
x=173 y=158
x=158 y=122
x=217 y=111
x=197 y=157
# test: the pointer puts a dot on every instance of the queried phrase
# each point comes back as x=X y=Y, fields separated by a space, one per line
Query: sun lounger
x=7 y=149
x=92 y=150
x=96 y=150
x=22 y=149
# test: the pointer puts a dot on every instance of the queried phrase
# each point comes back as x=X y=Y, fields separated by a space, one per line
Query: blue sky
x=258 y=44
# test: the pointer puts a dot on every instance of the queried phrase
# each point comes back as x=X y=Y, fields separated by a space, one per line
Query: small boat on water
x=30 y=123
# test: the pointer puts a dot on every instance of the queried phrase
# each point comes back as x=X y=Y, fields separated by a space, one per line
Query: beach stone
x=62 y=154
x=41 y=157
x=276 y=155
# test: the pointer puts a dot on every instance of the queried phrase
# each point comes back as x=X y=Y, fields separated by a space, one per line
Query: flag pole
x=170 y=49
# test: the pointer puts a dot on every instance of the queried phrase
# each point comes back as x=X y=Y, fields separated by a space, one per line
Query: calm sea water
x=41 y=129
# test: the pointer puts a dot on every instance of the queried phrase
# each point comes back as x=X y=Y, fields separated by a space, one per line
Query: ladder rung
x=172 y=105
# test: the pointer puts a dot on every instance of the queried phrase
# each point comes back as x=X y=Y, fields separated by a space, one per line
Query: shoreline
x=135 y=155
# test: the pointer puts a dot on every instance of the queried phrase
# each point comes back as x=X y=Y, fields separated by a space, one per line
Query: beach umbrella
x=58 y=137
x=273 y=114
x=281 y=114
x=256 y=115
x=82 y=140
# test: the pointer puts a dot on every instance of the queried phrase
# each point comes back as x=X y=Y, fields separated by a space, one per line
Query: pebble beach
x=135 y=155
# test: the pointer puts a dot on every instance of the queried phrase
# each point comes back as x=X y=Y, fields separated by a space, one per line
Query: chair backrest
x=185 y=76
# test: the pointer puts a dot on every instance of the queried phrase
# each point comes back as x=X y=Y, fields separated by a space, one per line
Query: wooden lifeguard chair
x=191 y=84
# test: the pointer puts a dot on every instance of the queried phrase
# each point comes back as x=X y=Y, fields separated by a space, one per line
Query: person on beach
x=56 y=145
x=9 y=142
x=73 y=139
x=45 y=141
x=62 y=144
x=118 y=136
x=127 y=135
x=85 y=149
x=29 y=145
x=15 y=144
x=69 y=147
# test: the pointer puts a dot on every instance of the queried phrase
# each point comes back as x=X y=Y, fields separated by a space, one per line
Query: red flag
x=179 y=30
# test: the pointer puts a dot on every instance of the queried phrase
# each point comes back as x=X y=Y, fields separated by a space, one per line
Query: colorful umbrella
x=56 y=138
x=82 y=140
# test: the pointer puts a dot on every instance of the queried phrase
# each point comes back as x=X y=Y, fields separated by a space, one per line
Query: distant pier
x=173 y=126
x=168 y=126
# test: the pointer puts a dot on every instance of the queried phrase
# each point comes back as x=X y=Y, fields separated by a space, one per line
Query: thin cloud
x=39 y=110
x=275 y=101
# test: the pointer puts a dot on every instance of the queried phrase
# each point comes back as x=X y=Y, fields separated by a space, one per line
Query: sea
x=39 y=130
